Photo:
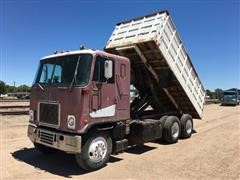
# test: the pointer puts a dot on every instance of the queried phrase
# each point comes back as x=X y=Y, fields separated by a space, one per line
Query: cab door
x=103 y=91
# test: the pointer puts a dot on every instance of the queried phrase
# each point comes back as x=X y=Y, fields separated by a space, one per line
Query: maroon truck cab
x=59 y=99
x=71 y=96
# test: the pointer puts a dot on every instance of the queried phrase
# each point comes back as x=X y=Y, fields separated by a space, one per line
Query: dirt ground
x=211 y=153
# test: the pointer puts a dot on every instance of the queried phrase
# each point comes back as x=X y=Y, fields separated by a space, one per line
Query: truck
x=230 y=97
x=80 y=100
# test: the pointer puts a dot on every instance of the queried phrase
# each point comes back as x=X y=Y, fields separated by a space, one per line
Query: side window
x=98 y=74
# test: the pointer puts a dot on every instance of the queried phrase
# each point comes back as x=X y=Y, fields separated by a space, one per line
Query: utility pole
x=14 y=83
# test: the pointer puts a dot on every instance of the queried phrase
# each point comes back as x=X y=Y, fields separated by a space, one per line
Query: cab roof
x=84 y=51
x=60 y=54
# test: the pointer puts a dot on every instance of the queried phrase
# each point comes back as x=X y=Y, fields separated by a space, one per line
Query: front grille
x=46 y=137
x=49 y=114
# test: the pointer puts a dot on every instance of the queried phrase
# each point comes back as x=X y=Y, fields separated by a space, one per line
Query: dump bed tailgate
x=159 y=62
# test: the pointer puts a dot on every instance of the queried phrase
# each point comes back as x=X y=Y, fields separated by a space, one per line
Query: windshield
x=229 y=94
x=60 y=71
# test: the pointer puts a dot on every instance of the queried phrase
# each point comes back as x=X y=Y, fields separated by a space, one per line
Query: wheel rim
x=175 y=130
x=97 y=149
x=189 y=126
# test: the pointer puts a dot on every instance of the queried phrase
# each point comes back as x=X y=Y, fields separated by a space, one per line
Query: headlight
x=71 y=121
x=31 y=115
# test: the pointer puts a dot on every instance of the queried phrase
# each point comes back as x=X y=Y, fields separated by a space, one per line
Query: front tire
x=95 y=152
x=171 y=129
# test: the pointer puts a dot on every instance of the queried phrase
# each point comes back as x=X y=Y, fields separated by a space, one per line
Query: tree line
x=4 y=88
x=216 y=94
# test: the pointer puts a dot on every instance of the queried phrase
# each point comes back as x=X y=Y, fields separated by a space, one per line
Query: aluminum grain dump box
x=162 y=70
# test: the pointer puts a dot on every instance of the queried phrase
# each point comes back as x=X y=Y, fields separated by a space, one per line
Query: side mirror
x=108 y=69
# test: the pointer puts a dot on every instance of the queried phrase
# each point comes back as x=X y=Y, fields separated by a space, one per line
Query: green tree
x=10 y=89
x=218 y=93
x=23 y=88
x=209 y=93
x=2 y=87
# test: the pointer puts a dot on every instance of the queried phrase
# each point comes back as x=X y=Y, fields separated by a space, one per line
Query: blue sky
x=33 y=29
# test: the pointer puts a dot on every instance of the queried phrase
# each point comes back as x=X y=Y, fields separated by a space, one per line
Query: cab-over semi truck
x=230 y=97
x=80 y=100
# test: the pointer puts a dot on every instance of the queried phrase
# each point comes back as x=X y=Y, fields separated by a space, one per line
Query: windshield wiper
x=40 y=86
x=75 y=74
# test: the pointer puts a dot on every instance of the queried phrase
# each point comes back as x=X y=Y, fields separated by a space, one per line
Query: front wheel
x=95 y=152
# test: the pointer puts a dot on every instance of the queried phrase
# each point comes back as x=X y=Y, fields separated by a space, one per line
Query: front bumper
x=54 y=139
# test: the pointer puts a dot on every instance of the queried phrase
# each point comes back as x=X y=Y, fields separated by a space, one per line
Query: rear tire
x=171 y=129
x=95 y=152
x=163 y=120
x=186 y=126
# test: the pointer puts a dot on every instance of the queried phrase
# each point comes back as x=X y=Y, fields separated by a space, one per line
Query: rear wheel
x=171 y=129
x=95 y=152
x=163 y=119
x=186 y=126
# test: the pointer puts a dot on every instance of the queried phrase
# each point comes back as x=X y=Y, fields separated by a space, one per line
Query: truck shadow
x=163 y=142
x=139 y=149
x=60 y=163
